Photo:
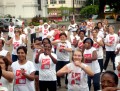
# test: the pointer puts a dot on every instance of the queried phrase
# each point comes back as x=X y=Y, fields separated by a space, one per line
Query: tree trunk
x=102 y=4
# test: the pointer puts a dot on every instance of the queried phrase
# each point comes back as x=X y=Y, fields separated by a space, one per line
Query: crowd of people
x=75 y=53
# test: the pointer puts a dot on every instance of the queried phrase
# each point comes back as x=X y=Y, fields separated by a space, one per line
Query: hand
x=111 y=89
x=23 y=71
x=69 y=71
x=77 y=63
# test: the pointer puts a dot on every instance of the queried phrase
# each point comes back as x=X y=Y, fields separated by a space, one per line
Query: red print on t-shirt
x=80 y=44
x=16 y=44
x=45 y=32
x=87 y=56
x=20 y=79
x=96 y=45
x=62 y=48
x=11 y=29
x=111 y=39
x=75 y=78
x=45 y=64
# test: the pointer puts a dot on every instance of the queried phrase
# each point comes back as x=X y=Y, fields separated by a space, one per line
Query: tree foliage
x=89 y=10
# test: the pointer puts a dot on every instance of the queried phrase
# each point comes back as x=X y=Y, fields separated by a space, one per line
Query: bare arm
x=8 y=56
x=8 y=75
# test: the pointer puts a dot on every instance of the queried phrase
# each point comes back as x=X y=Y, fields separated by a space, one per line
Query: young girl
x=77 y=73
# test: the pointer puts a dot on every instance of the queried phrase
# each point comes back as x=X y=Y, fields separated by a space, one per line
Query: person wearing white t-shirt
x=110 y=41
x=23 y=71
x=7 y=76
x=82 y=37
x=32 y=32
x=63 y=52
x=77 y=73
x=11 y=30
x=98 y=45
x=45 y=30
x=73 y=39
x=90 y=58
x=47 y=69
x=16 y=41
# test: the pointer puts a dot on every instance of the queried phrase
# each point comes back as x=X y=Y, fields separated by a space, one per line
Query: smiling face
x=77 y=56
x=47 y=48
x=21 y=55
x=63 y=37
x=107 y=81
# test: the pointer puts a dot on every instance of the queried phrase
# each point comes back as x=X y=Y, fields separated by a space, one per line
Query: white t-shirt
x=77 y=79
x=40 y=27
x=3 y=89
x=11 y=31
x=94 y=64
x=63 y=55
x=3 y=52
x=23 y=36
x=35 y=52
x=16 y=44
x=4 y=83
x=45 y=32
x=101 y=33
x=47 y=69
x=112 y=39
x=21 y=83
x=32 y=30
x=98 y=48
x=72 y=39
x=80 y=43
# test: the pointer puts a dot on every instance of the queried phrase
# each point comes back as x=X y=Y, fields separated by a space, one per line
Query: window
x=39 y=3
x=61 y=1
x=53 y=1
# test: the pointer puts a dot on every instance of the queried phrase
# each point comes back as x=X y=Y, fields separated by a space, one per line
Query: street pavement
x=30 y=55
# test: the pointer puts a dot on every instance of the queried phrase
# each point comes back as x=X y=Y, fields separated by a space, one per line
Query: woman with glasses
x=77 y=73
x=16 y=41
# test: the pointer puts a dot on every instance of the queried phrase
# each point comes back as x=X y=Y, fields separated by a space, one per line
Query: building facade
x=24 y=8
x=61 y=9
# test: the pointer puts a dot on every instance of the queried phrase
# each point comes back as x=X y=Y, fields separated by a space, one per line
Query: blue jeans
x=14 y=58
x=96 y=81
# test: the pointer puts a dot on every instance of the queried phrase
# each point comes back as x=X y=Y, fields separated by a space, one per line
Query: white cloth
x=77 y=79
x=16 y=44
x=3 y=52
x=47 y=69
x=21 y=83
x=94 y=64
x=4 y=83
x=98 y=48
x=11 y=31
x=63 y=55
x=112 y=39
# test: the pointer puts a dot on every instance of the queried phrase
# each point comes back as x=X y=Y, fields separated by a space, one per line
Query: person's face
x=1 y=45
x=87 y=44
x=107 y=81
x=63 y=37
x=94 y=33
x=45 y=42
x=2 y=64
x=17 y=33
x=47 y=48
x=77 y=56
x=21 y=55
x=111 y=30
x=99 y=25
x=39 y=43
x=81 y=35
